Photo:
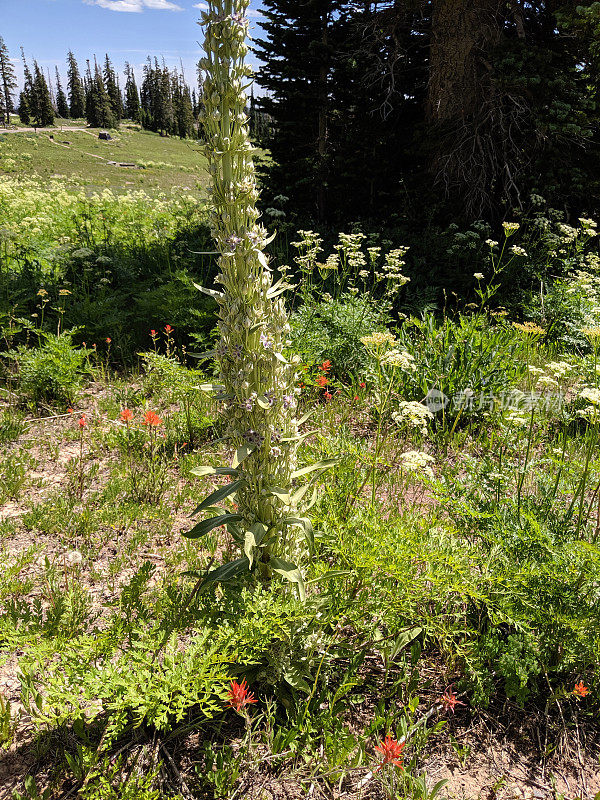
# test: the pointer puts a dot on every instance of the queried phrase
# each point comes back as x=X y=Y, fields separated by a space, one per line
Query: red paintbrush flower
x=322 y=381
x=82 y=422
x=152 y=419
x=580 y=690
x=168 y=329
x=327 y=396
x=238 y=696
x=126 y=415
x=448 y=700
x=391 y=750
x=325 y=366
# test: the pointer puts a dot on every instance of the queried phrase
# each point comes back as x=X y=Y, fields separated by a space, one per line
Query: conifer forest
x=300 y=401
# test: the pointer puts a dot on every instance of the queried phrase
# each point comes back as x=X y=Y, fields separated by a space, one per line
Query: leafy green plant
x=53 y=372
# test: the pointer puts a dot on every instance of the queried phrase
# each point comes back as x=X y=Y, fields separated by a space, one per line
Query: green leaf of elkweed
x=253 y=538
x=290 y=572
x=208 y=525
x=225 y=573
x=321 y=465
x=306 y=526
x=241 y=453
x=200 y=472
x=218 y=495
x=210 y=387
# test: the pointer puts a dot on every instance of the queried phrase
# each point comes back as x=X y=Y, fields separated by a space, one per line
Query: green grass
x=168 y=162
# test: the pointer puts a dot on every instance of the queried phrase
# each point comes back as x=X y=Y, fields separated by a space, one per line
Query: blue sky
x=127 y=30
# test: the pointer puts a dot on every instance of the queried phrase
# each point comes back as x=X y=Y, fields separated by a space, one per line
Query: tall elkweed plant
x=256 y=380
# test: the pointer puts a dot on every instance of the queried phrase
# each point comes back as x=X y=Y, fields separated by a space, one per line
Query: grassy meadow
x=77 y=156
x=453 y=585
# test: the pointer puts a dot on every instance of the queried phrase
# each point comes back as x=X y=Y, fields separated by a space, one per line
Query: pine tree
x=8 y=83
x=132 y=97
x=99 y=112
x=111 y=84
x=62 y=106
x=183 y=110
x=24 y=109
x=164 y=99
x=75 y=88
x=28 y=95
x=44 y=114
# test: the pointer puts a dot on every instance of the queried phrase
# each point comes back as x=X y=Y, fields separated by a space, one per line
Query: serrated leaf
x=203 y=356
x=290 y=572
x=320 y=465
x=218 y=495
x=241 y=453
x=200 y=472
x=208 y=525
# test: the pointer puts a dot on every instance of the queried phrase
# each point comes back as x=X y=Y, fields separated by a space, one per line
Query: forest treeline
x=164 y=101
x=445 y=109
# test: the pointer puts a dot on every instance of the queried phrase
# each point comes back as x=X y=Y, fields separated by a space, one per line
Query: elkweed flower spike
x=256 y=379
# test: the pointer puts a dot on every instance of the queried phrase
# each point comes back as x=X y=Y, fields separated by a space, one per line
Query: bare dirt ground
x=493 y=755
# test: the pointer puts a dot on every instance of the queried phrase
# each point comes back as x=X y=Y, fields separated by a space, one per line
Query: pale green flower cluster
x=418 y=462
x=257 y=380
x=398 y=358
x=34 y=213
x=378 y=339
x=413 y=414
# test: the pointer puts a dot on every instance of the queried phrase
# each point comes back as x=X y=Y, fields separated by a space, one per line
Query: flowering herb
x=152 y=419
x=239 y=696
x=391 y=750
x=448 y=701
x=255 y=379
x=580 y=690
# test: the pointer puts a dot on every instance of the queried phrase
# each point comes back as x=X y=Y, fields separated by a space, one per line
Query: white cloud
x=251 y=12
x=135 y=6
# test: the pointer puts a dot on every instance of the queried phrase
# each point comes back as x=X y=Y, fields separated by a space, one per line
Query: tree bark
x=463 y=32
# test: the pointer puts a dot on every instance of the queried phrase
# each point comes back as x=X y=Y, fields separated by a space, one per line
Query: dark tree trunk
x=462 y=34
